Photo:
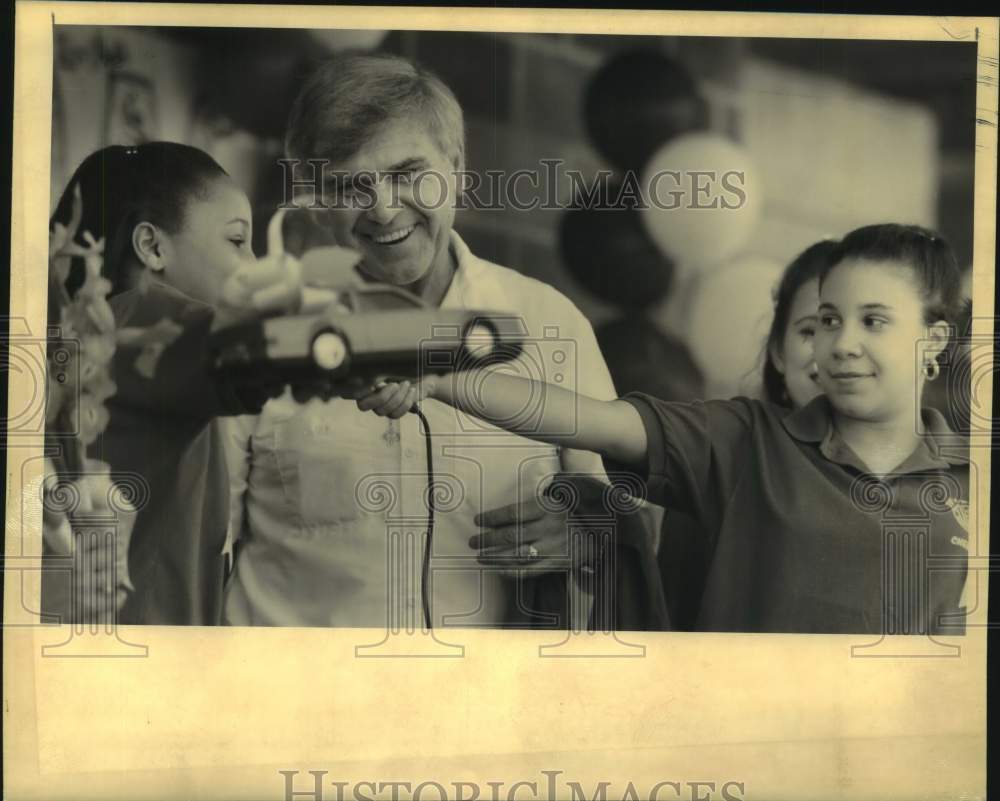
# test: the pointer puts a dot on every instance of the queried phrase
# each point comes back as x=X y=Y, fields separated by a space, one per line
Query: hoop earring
x=932 y=370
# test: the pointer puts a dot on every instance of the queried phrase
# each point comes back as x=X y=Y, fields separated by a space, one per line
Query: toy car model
x=366 y=332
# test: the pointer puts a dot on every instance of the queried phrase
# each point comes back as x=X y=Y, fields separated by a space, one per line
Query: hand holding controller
x=393 y=398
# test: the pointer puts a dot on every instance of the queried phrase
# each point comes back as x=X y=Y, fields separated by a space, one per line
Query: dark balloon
x=608 y=252
x=251 y=77
x=637 y=101
x=642 y=358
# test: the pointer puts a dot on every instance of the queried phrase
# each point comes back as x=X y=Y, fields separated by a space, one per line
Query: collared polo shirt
x=328 y=502
x=805 y=538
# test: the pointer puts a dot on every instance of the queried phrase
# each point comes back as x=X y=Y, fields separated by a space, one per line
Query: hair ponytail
x=121 y=186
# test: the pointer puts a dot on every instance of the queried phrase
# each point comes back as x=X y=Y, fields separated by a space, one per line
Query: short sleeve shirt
x=806 y=538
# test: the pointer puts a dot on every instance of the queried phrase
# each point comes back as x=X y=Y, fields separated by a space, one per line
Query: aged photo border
x=231 y=713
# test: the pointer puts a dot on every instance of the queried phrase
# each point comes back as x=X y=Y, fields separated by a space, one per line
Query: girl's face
x=796 y=362
x=213 y=243
x=871 y=322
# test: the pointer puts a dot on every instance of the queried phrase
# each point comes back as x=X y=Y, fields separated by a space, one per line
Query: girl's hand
x=98 y=584
x=393 y=400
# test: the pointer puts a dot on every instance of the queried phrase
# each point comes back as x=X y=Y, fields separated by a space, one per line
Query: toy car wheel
x=480 y=340
x=329 y=350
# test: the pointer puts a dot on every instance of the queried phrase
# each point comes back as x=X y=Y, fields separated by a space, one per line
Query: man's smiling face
x=394 y=202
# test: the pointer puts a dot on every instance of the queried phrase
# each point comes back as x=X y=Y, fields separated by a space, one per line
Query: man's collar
x=466 y=269
x=465 y=260
x=939 y=447
x=462 y=253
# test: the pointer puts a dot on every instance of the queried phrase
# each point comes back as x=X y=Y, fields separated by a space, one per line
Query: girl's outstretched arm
x=533 y=409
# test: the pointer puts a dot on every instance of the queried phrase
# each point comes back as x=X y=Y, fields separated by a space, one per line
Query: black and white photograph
x=610 y=343
x=640 y=218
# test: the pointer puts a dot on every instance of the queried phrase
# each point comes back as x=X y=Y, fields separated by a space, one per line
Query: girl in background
x=799 y=503
x=790 y=374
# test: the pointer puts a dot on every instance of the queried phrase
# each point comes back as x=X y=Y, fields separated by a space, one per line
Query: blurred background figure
x=818 y=137
x=790 y=373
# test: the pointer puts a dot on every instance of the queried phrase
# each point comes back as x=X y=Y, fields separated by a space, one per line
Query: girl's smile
x=848 y=377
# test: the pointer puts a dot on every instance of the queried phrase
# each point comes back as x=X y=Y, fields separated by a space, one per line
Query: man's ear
x=458 y=175
x=150 y=246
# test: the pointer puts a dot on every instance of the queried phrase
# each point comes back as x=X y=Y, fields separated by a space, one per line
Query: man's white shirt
x=329 y=503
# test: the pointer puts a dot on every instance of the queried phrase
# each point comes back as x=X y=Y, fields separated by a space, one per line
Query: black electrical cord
x=425 y=574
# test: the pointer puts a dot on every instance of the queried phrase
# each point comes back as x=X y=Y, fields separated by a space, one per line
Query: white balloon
x=731 y=313
x=336 y=39
x=703 y=198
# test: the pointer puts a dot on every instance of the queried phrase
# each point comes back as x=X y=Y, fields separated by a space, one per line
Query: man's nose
x=384 y=205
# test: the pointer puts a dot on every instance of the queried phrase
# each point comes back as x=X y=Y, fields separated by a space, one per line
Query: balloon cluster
x=700 y=201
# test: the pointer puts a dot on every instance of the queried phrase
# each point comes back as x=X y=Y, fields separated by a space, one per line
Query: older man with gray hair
x=320 y=490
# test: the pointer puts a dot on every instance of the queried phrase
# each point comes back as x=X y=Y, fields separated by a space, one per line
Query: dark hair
x=805 y=267
x=927 y=255
x=121 y=186
x=352 y=95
